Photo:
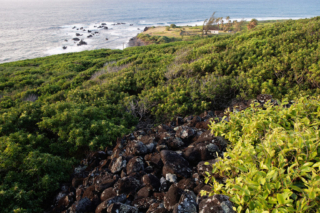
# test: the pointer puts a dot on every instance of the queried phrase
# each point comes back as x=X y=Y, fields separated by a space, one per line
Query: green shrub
x=273 y=160
x=173 y=25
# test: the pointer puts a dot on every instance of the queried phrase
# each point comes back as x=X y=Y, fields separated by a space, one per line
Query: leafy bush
x=273 y=160
x=173 y=25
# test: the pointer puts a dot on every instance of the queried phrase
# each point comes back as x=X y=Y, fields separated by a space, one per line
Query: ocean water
x=37 y=28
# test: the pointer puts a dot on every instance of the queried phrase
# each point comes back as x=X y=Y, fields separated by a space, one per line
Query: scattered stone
x=217 y=204
x=157 y=170
x=118 y=164
x=136 y=164
x=143 y=204
x=135 y=147
x=187 y=203
x=84 y=205
x=151 y=181
x=172 y=197
x=174 y=164
x=107 y=194
x=121 y=208
x=172 y=178
x=105 y=204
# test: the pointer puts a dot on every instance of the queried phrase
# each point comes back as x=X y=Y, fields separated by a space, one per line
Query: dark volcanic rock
x=79 y=192
x=89 y=192
x=157 y=208
x=164 y=185
x=159 y=195
x=105 y=204
x=155 y=159
x=76 y=181
x=127 y=185
x=136 y=148
x=104 y=183
x=201 y=151
x=175 y=144
x=136 y=164
x=217 y=204
x=172 y=197
x=64 y=203
x=107 y=194
x=158 y=170
x=186 y=133
x=121 y=208
x=143 y=203
x=186 y=184
x=187 y=203
x=76 y=39
x=118 y=164
x=151 y=181
x=143 y=193
x=83 y=205
x=174 y=164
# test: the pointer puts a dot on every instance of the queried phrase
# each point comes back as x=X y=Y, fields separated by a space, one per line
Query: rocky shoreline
x=135 y=42
x=157 y=170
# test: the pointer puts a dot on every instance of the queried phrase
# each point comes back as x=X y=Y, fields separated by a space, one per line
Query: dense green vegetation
x=157 y=39
x=273 y=160
x=54 y=109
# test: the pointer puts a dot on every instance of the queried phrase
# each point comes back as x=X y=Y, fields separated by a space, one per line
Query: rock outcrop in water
x=82 y=42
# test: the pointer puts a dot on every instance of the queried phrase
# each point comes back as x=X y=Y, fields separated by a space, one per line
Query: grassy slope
x=82 y=104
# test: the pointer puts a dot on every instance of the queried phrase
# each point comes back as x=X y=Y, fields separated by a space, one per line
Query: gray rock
x=121 y=208
x=187 y=203
x=135 y=164
x=118 y=164
x=84 y=205
x=217 y=204
x=172 y=178
x=136 y=148
x=105 y=204
x=174 y=164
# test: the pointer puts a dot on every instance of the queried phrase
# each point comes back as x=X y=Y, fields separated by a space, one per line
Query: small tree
x=208 y=23
x=167 y=28
x=252 y=24
x=238 y=25
x=173 y=25
x=228 y=25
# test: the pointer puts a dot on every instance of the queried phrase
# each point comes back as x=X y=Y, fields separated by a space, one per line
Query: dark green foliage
x=52 y=109
x=157 y=39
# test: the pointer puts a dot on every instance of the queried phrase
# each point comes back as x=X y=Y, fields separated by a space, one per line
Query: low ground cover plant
x=273 y=160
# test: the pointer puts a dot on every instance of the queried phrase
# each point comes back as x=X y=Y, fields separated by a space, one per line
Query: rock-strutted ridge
x=155 y=170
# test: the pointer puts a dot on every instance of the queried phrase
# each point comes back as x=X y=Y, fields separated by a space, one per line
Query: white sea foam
x=118 y=35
